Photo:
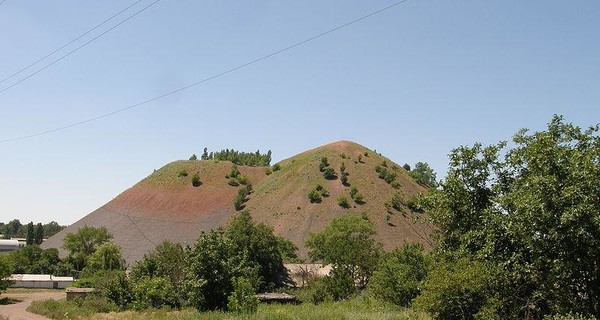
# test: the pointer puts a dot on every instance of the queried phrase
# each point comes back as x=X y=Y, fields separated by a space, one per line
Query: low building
x=43 y=281
x=8 y=245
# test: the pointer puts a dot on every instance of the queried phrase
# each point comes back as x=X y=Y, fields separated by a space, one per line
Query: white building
x=9 y=245
x=45 y=281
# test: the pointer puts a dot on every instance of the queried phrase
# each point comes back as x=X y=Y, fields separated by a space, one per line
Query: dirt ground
x=17 y=311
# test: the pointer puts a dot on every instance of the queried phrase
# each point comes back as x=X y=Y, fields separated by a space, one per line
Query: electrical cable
x=78 y=48
x=70 y=42
x=297 y=44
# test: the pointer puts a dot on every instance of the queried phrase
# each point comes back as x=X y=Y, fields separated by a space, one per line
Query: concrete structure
x=282 y=298
x=301 y=273
x=22 y=241
x=8 y=245
x=44 y=281
x=73 y=293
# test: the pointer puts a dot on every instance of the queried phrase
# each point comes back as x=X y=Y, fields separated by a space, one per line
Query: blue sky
x=412 y=82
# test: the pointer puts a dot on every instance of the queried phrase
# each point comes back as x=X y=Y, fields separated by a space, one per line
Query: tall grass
x=361 y=307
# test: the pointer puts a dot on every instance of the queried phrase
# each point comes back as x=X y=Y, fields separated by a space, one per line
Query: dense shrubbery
x=347 y=245
x=526 y=212
x=400 y=274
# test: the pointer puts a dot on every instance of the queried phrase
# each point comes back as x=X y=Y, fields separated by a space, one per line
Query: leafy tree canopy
x=423 y=174
x=84 y=243
x=347 y=243
x=532 y=209
x=239 y=157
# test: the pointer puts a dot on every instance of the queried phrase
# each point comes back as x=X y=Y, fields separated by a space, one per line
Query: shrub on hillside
x=276 y=167
x=196 y=180
x=268 y=170
x=324 y=164
x=343 y=202
x=396 y=202
x=233 y=182
x=356 y=196
x=329 y=173
x=314 y=196
x=243 y=179
x=414 y=204
x=182 y=173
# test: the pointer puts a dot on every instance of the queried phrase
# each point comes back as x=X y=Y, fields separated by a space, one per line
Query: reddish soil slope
x=165 y=205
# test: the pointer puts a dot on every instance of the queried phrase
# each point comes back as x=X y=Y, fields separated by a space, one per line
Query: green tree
x=30 y=234
x=400 y=274
x=458 y=289
x=25 y=258
x=347 y=244
x=106 y=257
x=532 y=210
x=5 y=272
x=260 y=247
x=165 y=261
x=205 y=154
x=39 y=234
x=155 y=292
x=193 y=157
x=52 y=228
x=83 y=243
x=243 y=299
x=424 y=175
x=212 y=266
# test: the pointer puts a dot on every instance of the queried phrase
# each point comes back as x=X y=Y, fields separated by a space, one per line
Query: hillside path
x=17 y=311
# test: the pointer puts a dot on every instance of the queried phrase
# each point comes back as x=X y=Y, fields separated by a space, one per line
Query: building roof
x=38 y=277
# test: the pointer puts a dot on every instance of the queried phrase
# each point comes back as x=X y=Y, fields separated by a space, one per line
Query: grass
x=362 y=307
x=26 y=290
x=6 y=300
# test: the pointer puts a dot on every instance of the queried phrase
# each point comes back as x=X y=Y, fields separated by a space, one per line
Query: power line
x=70 y=42
x=77 y=49
x=297 y=44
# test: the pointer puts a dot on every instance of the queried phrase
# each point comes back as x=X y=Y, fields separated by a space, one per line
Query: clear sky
x=412 y=82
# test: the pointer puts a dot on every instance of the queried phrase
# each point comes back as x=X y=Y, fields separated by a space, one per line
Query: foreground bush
x=399 y=277
x=458 y=290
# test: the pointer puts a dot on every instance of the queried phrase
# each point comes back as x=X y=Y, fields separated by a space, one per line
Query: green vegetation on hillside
x=255 y=159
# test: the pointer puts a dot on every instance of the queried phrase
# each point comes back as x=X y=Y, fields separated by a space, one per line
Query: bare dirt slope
x=165 y=205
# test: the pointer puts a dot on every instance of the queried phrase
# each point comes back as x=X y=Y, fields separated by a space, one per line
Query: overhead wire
x=70 y=42
x=78 y=48
x=218 y=75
